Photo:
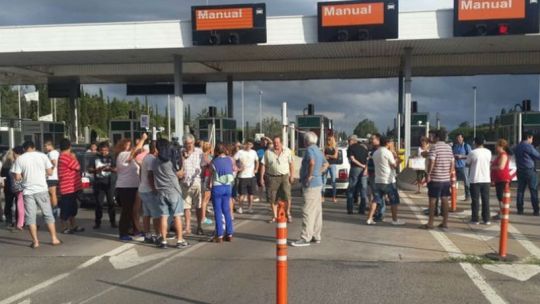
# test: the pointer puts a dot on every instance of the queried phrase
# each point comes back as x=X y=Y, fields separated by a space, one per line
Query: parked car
x=342 y=171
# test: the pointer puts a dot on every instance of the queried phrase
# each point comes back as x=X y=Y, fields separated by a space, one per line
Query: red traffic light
x=503 y=29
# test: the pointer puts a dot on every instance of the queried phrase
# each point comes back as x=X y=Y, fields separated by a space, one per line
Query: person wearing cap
x=479 y=162
x=358 y=175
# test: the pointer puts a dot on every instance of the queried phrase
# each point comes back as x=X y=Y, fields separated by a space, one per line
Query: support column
x=407 y=101
x=178 y=98
x=400 y=91
x=74 y=112
x=230 y=97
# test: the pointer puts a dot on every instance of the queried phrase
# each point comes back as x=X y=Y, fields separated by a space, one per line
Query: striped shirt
x=69 y=176
x=441 y=154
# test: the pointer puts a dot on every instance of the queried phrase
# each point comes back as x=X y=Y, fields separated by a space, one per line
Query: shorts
x=191 y=196
x=170 y=204
x=68 y=206
x=150 y=204
x=420 y=175
x=52 y=183
x=204 y=185
x=389 y=191
x=438 y=189
x=247 y=186
x=32 y=202
x=278 y=187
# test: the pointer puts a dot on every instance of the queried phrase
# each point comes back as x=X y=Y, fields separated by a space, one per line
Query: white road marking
x=131 y=258
x=27 y=301
x=520 y=272
x=51 y=281
x=489 y=293
x=163 y=262
x=524 y=241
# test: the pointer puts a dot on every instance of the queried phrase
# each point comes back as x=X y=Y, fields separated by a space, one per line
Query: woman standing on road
x=500 y=170
x=331 y=155
x=127 y=184
x=220 y=183
x=207 y=171
x=423 y=151
x=12 y=191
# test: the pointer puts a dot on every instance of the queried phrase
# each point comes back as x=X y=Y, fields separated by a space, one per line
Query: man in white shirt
x=193 y=161
x=249 y=164
x=32 y=168
x=479 y=162
x=385 y=178
x=52 y=181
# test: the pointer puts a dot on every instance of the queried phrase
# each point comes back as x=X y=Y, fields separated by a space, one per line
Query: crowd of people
x=158 y=183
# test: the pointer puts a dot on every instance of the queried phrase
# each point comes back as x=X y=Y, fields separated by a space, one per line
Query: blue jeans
x=462 y=174
x=221 y=197
x=332 y=172
x=527 y=178
x=357 y=183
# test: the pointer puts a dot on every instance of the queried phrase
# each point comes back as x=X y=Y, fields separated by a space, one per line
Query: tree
x=364 y=128
x=464 y=124
x=271 y=126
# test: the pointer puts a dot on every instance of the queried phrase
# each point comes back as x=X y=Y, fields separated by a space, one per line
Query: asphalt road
x=355 y=263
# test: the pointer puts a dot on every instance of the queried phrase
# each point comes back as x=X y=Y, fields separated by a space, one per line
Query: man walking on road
x=249 y=165
x=277 y=171
x=461 y=149
x=526 y=155
x=385 y=179
x=479 y=162
x=440 y=168
x=313 y=165
x=32 y=168
x=358 y=175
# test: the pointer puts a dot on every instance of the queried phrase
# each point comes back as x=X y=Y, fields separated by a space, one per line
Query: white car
x=342 y=171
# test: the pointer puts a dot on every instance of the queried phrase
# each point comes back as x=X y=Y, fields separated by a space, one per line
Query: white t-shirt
x=479 y=161
x=384 y=160
x=33 y=167
x=53 y=156
x=247 y=163
x=127 y=171
x=146 y=166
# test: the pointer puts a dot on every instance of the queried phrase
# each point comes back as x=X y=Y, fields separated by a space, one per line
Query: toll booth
x=224 y=129
x=513 y=125
x=27 y=130
x=124 y=128
x=318 y=124
x=419 y=128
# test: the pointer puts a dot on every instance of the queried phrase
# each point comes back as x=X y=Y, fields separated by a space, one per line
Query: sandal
x=34 y=245
x=426 y=227
x=57 y=244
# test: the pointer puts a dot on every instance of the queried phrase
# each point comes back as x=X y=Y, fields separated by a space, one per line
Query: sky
x=345 y=101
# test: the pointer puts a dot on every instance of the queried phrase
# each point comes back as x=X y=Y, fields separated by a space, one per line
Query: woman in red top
x=69 y=181
x=500 y=169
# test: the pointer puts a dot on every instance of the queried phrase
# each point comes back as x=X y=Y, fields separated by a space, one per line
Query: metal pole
x=55 y=114
x=19 y=96
x=178 y=98
x=284 y=124
x=260 y=111
x=292 y=130
x=408 y=99
x=230 y=97
x=169 y=115
x=398 y=131
x=243 y=117
x=474 y=112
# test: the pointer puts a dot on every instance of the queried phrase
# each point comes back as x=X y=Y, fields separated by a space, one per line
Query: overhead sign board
x=229 y=24
x=164 y=89
x=358 y=20
x=495 y=17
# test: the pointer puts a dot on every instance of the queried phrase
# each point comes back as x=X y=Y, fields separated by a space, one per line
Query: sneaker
x=67 y=231
x=125 y=238
x=370 y=222
x=300 y=243
x=208 y=221
x=162 y=245
x=315 y=241
x=486 y=223
x=77 y=229
x=182 y=244
x=240 y=211
x=398 y=223
x=149 y=239
x=474 y=223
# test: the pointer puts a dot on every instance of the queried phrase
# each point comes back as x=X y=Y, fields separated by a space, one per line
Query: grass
x=471 y=259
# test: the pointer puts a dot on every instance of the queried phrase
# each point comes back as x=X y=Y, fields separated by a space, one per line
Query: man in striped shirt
x=441 y=165
x=69 y=178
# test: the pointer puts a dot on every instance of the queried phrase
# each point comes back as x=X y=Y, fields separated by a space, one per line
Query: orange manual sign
x=224 y=19
x=352 y=14
x=473 y=10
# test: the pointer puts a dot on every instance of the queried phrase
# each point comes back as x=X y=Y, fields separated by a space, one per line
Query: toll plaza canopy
x=128 y=52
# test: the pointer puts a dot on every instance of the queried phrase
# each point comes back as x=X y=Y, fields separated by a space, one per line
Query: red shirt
x=498 y=175
x=69 y=176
